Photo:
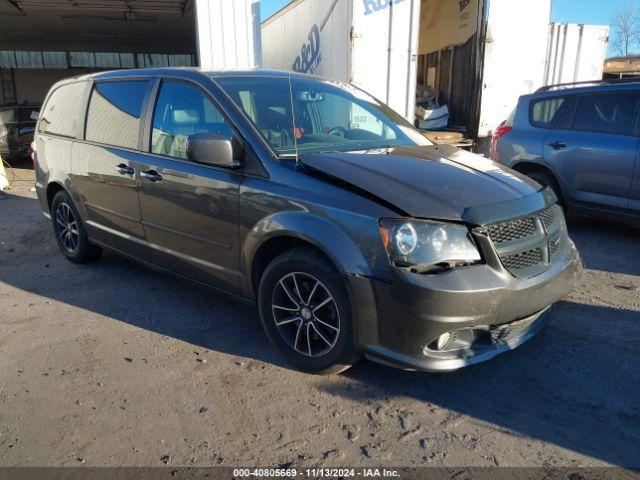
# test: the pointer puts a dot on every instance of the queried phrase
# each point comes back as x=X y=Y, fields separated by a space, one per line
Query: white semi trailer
x=479 y=55
x=371 y=44
x=576 y=53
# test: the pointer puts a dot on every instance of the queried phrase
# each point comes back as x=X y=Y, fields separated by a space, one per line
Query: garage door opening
x=44 y=41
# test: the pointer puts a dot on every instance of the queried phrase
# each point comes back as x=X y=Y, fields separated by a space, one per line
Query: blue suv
x=582 y=141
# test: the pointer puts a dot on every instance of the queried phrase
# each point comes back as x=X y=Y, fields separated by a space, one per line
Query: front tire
x=305 y=312
x=69 y=230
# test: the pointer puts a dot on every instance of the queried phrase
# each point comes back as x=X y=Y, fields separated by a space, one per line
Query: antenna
x=293 y=119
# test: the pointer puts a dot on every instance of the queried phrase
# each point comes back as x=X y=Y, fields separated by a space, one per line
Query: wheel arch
x=281 y=232
x=527 y=168
x=52 y=189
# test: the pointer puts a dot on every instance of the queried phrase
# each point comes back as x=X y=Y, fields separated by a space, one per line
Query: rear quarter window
x=114 y=113
x=545 y=112
x=61 y=114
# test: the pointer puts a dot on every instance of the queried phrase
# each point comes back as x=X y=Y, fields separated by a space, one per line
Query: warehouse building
x=43 y=41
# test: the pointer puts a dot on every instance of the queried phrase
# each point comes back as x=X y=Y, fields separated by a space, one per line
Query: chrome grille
x=548 y=217
x=520 y=261
x=527 y=245
x=512 y=230
x=554 y=245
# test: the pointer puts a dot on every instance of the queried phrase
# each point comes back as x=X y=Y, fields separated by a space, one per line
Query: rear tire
x=71 y=236
x=305 y=312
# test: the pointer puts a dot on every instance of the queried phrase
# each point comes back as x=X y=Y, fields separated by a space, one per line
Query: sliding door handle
x=123 y=169
x=151 y=175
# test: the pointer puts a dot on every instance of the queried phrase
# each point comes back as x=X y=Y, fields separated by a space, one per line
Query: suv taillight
x=501 y=131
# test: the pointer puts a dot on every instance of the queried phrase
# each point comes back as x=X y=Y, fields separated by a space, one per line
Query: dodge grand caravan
x=349 y=230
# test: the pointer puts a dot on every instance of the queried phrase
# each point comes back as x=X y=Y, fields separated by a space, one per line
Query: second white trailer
x=575 y=53
x=371 y=44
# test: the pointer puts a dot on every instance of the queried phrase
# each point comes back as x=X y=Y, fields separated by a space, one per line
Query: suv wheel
x=70 y=233
x=305 y=311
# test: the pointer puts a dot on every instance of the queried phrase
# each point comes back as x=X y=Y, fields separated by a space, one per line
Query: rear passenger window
x=545 y=113
x=114 y=113
x=61 y=114
x=608 y=113
x=181 y=111
x=566 y=122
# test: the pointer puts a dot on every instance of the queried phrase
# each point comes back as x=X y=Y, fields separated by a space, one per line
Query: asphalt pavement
x=110 y=364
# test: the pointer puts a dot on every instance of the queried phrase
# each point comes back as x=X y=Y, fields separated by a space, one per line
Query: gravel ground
x=110 y=364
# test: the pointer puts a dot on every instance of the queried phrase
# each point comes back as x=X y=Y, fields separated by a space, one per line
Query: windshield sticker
x=35 y=115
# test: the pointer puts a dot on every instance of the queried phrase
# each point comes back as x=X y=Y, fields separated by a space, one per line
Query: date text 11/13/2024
x=315 y=473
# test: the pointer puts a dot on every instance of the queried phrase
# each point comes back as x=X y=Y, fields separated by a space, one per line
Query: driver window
x=183 y=110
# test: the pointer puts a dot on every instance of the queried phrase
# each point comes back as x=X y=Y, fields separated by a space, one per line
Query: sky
x=596 y=12
x=269 y=7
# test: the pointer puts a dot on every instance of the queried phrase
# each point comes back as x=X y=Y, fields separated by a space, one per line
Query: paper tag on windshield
x=35 y=115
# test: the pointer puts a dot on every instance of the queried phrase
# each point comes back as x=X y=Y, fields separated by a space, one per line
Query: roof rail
x=595 y=83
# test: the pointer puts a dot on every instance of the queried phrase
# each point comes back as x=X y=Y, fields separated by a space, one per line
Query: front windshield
x=317 y=116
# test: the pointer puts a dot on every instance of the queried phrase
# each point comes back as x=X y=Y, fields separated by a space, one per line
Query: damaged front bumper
x=479 y=344
x=476 y=312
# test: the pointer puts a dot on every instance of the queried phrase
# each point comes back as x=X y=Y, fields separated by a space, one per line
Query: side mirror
x=211 y=149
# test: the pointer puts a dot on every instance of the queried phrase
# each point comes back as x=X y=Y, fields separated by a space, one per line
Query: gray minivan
x=349 y=230
x=583 y=141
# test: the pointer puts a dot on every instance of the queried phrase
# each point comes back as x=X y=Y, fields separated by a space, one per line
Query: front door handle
x=151 y=175
x=123 y=169
x=558 y=145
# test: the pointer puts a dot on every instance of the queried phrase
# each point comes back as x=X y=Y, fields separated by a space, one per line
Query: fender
x=55 y=176
x=315 y=230
x=336 y=244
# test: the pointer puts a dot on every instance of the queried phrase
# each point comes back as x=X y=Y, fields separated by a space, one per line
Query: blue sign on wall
x=309 y=57
x=373 y=6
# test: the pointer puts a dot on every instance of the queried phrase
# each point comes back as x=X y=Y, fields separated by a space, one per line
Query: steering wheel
x=338 y=132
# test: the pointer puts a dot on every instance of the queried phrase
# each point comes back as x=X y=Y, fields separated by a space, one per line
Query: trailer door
x=384 y=51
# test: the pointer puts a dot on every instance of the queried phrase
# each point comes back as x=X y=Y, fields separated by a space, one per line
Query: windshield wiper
x=385 y=147
x=287 y=155
x=353 y=149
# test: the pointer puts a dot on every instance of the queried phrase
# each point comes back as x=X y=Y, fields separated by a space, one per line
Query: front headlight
x=427 y=245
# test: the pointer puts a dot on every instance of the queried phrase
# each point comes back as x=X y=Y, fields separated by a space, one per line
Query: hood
x=439 y=182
